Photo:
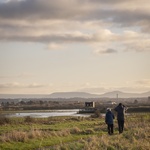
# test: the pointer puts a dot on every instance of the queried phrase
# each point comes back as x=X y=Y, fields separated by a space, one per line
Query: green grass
x=74 y=133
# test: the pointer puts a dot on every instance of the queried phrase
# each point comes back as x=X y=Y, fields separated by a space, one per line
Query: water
x=46 y=114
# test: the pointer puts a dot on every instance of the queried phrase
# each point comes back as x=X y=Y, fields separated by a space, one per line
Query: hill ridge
x=112 y=94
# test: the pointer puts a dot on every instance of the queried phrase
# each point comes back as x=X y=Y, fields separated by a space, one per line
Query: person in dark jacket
x=109 y=121
x=120 y=109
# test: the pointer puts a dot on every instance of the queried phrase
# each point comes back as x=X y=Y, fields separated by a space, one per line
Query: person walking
x=120 y=109
x=109 y=121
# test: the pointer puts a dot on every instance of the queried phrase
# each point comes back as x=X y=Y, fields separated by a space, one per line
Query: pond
x=46 y=114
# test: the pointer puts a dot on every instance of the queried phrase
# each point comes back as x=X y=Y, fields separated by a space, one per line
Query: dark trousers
x=120 y=125
x=110 y=128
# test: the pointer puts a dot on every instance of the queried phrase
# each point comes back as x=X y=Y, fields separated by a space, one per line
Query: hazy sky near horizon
x=92 y=46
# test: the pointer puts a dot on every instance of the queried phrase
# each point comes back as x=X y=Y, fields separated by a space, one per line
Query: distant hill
x=72 y=95
x=112 y=94
x=124 y=95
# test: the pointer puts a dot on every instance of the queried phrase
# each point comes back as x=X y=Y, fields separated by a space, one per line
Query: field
x=73 y=133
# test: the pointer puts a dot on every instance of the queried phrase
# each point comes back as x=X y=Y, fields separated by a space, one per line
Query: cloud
x=37 y=9
x=61 y=37
x=15 y=85
x=36 y=85
x=120 y=12
x=107 y=51
x=25 y=88
x=11 y=85
x=138 y=42
x=143 y=82
x=92 y=22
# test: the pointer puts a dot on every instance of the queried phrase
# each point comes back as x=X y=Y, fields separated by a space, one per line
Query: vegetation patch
x=58 y=133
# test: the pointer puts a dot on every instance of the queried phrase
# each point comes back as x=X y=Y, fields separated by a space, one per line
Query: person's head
x=120 y=104
x=108 y=109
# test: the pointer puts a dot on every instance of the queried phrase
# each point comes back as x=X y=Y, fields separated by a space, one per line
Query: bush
x=29 y=119
x=75 y=130
x=4 y=120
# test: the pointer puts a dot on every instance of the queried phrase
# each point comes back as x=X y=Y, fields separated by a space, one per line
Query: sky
x=93 y=46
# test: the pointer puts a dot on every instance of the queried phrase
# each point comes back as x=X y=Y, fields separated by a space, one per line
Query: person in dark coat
x=109 y=121
x=120 y=109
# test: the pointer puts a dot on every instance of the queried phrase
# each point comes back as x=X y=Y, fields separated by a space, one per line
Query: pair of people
x=120 y=109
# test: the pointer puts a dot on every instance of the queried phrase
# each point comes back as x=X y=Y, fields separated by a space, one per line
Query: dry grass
x=75 y=130
x=135 y=137
x=92 y=134
x=18 y=136
x=24 y=136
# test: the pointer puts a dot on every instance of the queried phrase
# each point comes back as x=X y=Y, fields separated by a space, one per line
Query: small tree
x=135 y=101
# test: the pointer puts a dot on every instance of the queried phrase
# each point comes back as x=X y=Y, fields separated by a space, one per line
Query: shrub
x=75 y=130
x=4 y=120
x=29 y=119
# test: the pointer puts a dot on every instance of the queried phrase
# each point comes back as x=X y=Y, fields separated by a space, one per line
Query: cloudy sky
x=93 y=46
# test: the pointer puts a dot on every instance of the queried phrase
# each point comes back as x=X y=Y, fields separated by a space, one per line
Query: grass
x=74 y=133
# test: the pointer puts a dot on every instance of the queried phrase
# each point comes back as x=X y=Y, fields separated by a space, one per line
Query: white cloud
x=143 y=82
x=136 y=41
x=15 y=85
